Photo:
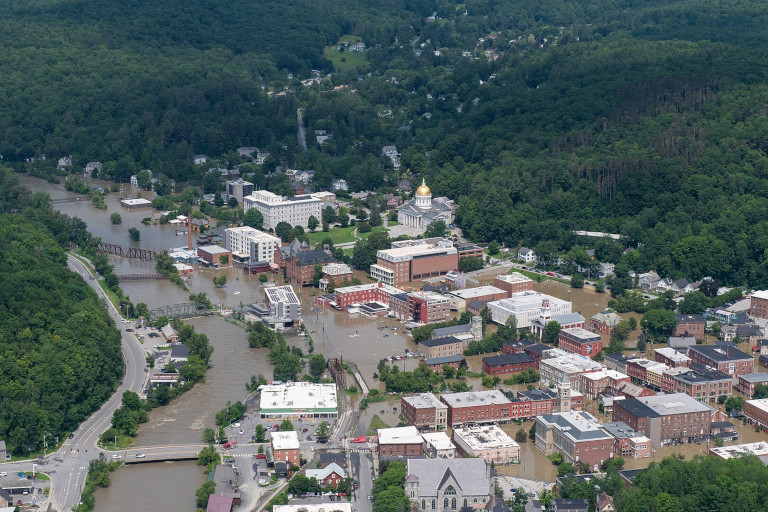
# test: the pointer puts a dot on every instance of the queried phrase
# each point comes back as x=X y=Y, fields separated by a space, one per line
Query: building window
x=445 y=503
x=423 y=504
x=433 y=505
x=453 y=503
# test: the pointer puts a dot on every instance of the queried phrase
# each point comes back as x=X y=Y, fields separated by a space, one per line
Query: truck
x=229 y=444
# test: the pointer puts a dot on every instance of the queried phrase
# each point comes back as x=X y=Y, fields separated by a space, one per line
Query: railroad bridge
x=184 y=310
x=131 y=252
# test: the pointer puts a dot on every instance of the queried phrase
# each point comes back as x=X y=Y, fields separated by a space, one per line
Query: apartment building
x=400 y=442
x=250 y=245
x=285 y=447
x=671 y=357
x=594 y=383
x=428 y=307
x=702 y=383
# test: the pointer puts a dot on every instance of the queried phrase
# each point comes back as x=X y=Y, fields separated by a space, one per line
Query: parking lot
x=244 y=430
x=24 y=489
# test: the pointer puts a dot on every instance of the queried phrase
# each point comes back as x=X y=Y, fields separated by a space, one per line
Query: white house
x=525 y=254
x=199 y=159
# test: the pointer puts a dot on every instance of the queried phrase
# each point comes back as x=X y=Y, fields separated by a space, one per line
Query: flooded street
x=354 y=338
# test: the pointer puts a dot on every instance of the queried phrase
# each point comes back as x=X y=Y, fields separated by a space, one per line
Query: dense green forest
x=645 y=118
x=60 y=353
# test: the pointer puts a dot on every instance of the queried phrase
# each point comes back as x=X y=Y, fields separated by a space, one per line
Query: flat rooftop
x=755 y=377
x=479 y=291
x=605 y=374
x=759 y=449
x=282 y=294
x=136 y=202
x=672 y=354
x=514 y=277
x=285 y=440
x=213 y=249
x=761 y=404
x=580 y=334
x=572 y=363
x=407 y=253
x=578 y=425
x=298 y=396
x=475 y=398
x=487 y=437
x=364 y=287
x=424 y=401
x=399 y=435
x=439 y=440
x=521 y=301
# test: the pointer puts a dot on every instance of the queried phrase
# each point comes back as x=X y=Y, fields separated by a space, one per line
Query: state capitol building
x=421 y=211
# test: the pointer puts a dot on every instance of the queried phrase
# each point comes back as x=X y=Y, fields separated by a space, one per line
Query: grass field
x=377 y=229
x=345 y=61
x=376 y=423
x=337 y=235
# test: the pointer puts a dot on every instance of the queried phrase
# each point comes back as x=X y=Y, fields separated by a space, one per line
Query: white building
x=421 y=211
x=525 y=254
x=239 y=189
x=488 y=442
x=526 y=307
x=339 y=184
x=284 y=307
x=249 y=244
x=437 y=445
x=567 y=368
x=296 y=211
x=298 y=400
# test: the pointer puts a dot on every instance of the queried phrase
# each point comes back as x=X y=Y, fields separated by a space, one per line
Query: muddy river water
x=356 y=339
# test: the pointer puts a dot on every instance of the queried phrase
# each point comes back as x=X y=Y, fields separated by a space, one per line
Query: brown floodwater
x=355 y=338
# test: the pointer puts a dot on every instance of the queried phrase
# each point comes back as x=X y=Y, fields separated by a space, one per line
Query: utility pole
x=45 y=453
x=115 y=442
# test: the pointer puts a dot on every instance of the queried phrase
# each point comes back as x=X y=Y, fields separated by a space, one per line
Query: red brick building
x=726 y=358
x=424 y=411
x=300 y=269
x=428 y=307
x=703 y=384
x=665 y=418
x=475 y=407
x=360 y=294
x=285 y=447
x=748 y=382
x=411 y=260
x=515 y=347
x=507 y=364
x=690 y=325
x=604 y=322
x=671 y=357
x=580 y=341
x=594 y=383
x=758 y=304
x=536 y=402
x=215 y=256
x=577 y=435
x=400 y=442
x=513 y=283
x=470 y=251
x=756 y=412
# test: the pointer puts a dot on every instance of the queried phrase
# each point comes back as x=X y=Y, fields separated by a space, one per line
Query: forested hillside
x=60 y=353
x=645 y=118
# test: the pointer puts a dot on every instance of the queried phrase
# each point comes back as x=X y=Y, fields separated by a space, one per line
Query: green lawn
x=376 y=423
x=338 y=235
x=344 y=61
x=537 y=277
x=377 y=229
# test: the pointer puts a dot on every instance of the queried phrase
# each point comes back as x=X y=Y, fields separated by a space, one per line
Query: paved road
x=68 y=466
x=302 y=135
x=362 y=471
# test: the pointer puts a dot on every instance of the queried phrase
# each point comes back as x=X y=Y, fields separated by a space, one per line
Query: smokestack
x=189 y=233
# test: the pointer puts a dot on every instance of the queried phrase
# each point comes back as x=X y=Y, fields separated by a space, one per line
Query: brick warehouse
x=580 y=341
x=424 y=411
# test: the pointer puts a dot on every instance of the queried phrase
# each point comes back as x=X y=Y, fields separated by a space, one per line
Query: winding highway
x=68 y=467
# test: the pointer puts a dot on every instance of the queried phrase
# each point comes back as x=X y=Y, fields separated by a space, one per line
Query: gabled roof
x=496 y=504
x=470 y=474
x=323 y=473
x=314 y=257
x=179 y=351
x=437 y=342
x=450 y=331
x=456 y=358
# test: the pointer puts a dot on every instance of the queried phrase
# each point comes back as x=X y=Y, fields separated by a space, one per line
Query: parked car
x=140 y=456
x=117 y=456
x=360 y=439
x=3 y=473
x=261 y=456
x=129 y=330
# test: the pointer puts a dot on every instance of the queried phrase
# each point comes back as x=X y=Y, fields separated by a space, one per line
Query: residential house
x=328 y=476
x=681 y=286
x=179 y=354
x=604 y=503
x=648 y=280
x=569 y=505
x=526 y=255
x=64 y=162
x=170 y=334
x=199 y=159
x=749 y=333
x=605 y=270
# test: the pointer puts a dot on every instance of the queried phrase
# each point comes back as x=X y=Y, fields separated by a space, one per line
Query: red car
x=260 y=455
x=359 y=440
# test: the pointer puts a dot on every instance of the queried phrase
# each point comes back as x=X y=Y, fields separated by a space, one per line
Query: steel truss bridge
x=131 y=252
x=184 y=310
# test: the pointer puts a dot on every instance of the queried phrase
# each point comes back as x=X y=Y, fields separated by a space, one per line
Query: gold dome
x=423 y=190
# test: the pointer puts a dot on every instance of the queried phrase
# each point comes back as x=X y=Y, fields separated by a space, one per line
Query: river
x=354 y=338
